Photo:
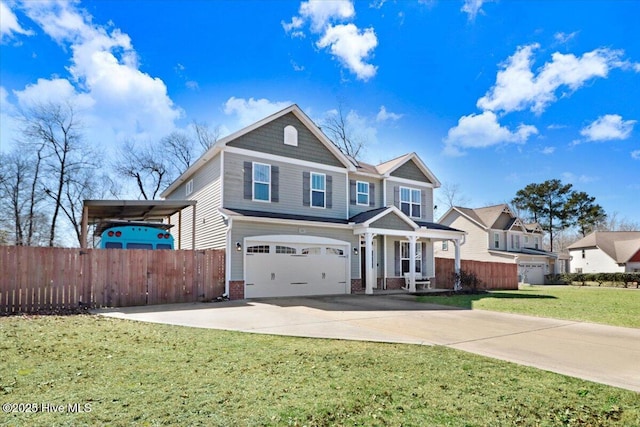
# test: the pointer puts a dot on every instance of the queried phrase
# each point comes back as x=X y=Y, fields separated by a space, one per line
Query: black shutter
x=329 y=192
x=423 y=204
x=372 y=194
x=248 y=180
x=275 y=184
x=396 y=258
x=306 y=187
x=352 y=192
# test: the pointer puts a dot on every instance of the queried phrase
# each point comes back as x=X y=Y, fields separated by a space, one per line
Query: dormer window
x=291 y=136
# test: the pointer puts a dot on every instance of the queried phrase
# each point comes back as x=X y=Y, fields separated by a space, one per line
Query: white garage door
x=295 y=266
x=532 y=274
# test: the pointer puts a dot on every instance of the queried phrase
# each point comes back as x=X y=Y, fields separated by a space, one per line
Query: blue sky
x=491 y=95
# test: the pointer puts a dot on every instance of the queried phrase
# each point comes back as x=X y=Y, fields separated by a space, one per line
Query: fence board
x=34 y=278
x=492 y=275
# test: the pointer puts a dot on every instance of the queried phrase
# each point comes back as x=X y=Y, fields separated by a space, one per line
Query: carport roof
x=100 y=210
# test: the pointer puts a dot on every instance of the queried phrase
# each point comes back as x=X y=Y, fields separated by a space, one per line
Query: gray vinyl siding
x=502 y=222
x=210 y=229
x=410 y=171
x=270 y=139
x=355 y=209
x=242 y=229
x=391 y=222
x=290 y=189
x=427 y=203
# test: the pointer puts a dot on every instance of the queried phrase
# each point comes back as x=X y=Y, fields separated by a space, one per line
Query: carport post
x=83 y=228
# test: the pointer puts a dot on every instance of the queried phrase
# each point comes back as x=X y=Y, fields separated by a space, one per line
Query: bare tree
x=151 y=170
x=614 y=223
x=179 y=146
x=336 y=127
x=206 y=137
x=451 y=195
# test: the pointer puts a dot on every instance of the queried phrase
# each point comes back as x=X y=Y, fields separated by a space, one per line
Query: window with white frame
x=515 y=241
x=536 y=242
x=405 y=260
x=261 y=182
x=410 y=199
x=496 y=240
x=318 y=190
x=445 y=245
x=189 y=187
x=362 y=193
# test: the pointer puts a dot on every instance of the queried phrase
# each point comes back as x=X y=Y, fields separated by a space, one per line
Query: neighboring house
x=606 y=252
x=298 y=217
x=496 y=234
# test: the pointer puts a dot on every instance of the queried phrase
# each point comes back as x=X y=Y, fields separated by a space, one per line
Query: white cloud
x=9 y=24
x=518 y=88
x=329 y=19
x=384 y=115
x=608 y=127
x=578 y=179
x=320 y=13
x=548 y=150
x=564 y=37
x=249 y=111
x=472 y=8
x=351 y=46
x=635 y=154
x=483 y=130
x=118 y=100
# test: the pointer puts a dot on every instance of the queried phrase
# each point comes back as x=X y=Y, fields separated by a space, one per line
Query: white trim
x=188 y=188
x=368 y=193
x=410 y=182
x=283 y=159
x=387 y=211
x=384 y=192
x=324 y=190
x=289 y=221
x=411 y=202
x=221 y=178
x=254 y=182
x=227 y=261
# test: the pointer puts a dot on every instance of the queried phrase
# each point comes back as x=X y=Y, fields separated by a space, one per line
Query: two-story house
x=606 y=252
x=496 y=234
x=298 y=217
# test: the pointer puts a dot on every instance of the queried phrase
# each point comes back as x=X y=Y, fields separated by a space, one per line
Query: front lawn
x=133 y=373
x=617 y=307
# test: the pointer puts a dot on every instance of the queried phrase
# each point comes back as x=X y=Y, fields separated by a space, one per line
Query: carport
x=96 y=211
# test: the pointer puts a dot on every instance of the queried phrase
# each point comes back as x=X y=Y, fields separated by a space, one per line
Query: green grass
x=133 y=373
x=617 y=307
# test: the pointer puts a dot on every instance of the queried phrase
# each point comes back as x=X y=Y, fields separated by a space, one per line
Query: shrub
x=468 y=280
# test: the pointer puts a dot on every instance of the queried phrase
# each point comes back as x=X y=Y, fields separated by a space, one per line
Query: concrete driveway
x=604 y=354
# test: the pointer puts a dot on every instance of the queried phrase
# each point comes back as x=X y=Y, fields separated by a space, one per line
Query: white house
x=606 y=252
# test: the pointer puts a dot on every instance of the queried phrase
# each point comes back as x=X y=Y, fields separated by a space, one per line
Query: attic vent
x=291 y=136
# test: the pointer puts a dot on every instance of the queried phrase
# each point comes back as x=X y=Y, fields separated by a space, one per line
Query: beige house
x=496 y=234
x=606 y=252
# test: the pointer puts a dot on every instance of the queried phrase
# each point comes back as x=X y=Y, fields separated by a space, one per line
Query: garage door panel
x=296 y=269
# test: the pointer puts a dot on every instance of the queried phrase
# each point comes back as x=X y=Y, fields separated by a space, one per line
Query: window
x=258 y=249
x=496 y=240
x=189 y=187
x=334 y=251
x=113 y=245
x=405 y=260
x=163 y=246
x=261 y=182
x=410 y=202
x=584 y=254
x=578 y=270
x=362 y=193
x=536 y=243
x=318 y=190
x=526 y=240
x=515 y=241
x=139 y=246
x=285 y=250
x=311 y=251
x=445 y=245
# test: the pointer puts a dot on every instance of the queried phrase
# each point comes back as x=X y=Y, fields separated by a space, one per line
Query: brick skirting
x=236 y=289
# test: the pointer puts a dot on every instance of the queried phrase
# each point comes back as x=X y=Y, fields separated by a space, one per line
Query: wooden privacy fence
x=492 y=275
x=34 y=279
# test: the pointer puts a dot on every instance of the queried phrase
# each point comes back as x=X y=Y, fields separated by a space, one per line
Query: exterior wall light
x=355 y=250
x=238 y=247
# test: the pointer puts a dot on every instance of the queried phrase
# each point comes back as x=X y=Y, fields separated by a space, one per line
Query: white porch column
x=412 y=263
x=368 y=261
x=457 y=286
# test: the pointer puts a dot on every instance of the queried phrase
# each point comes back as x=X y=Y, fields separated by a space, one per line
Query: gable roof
x=490 y=214
x=221 y=143
x=621 y=246
x=387 y=168
x=487 y=218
